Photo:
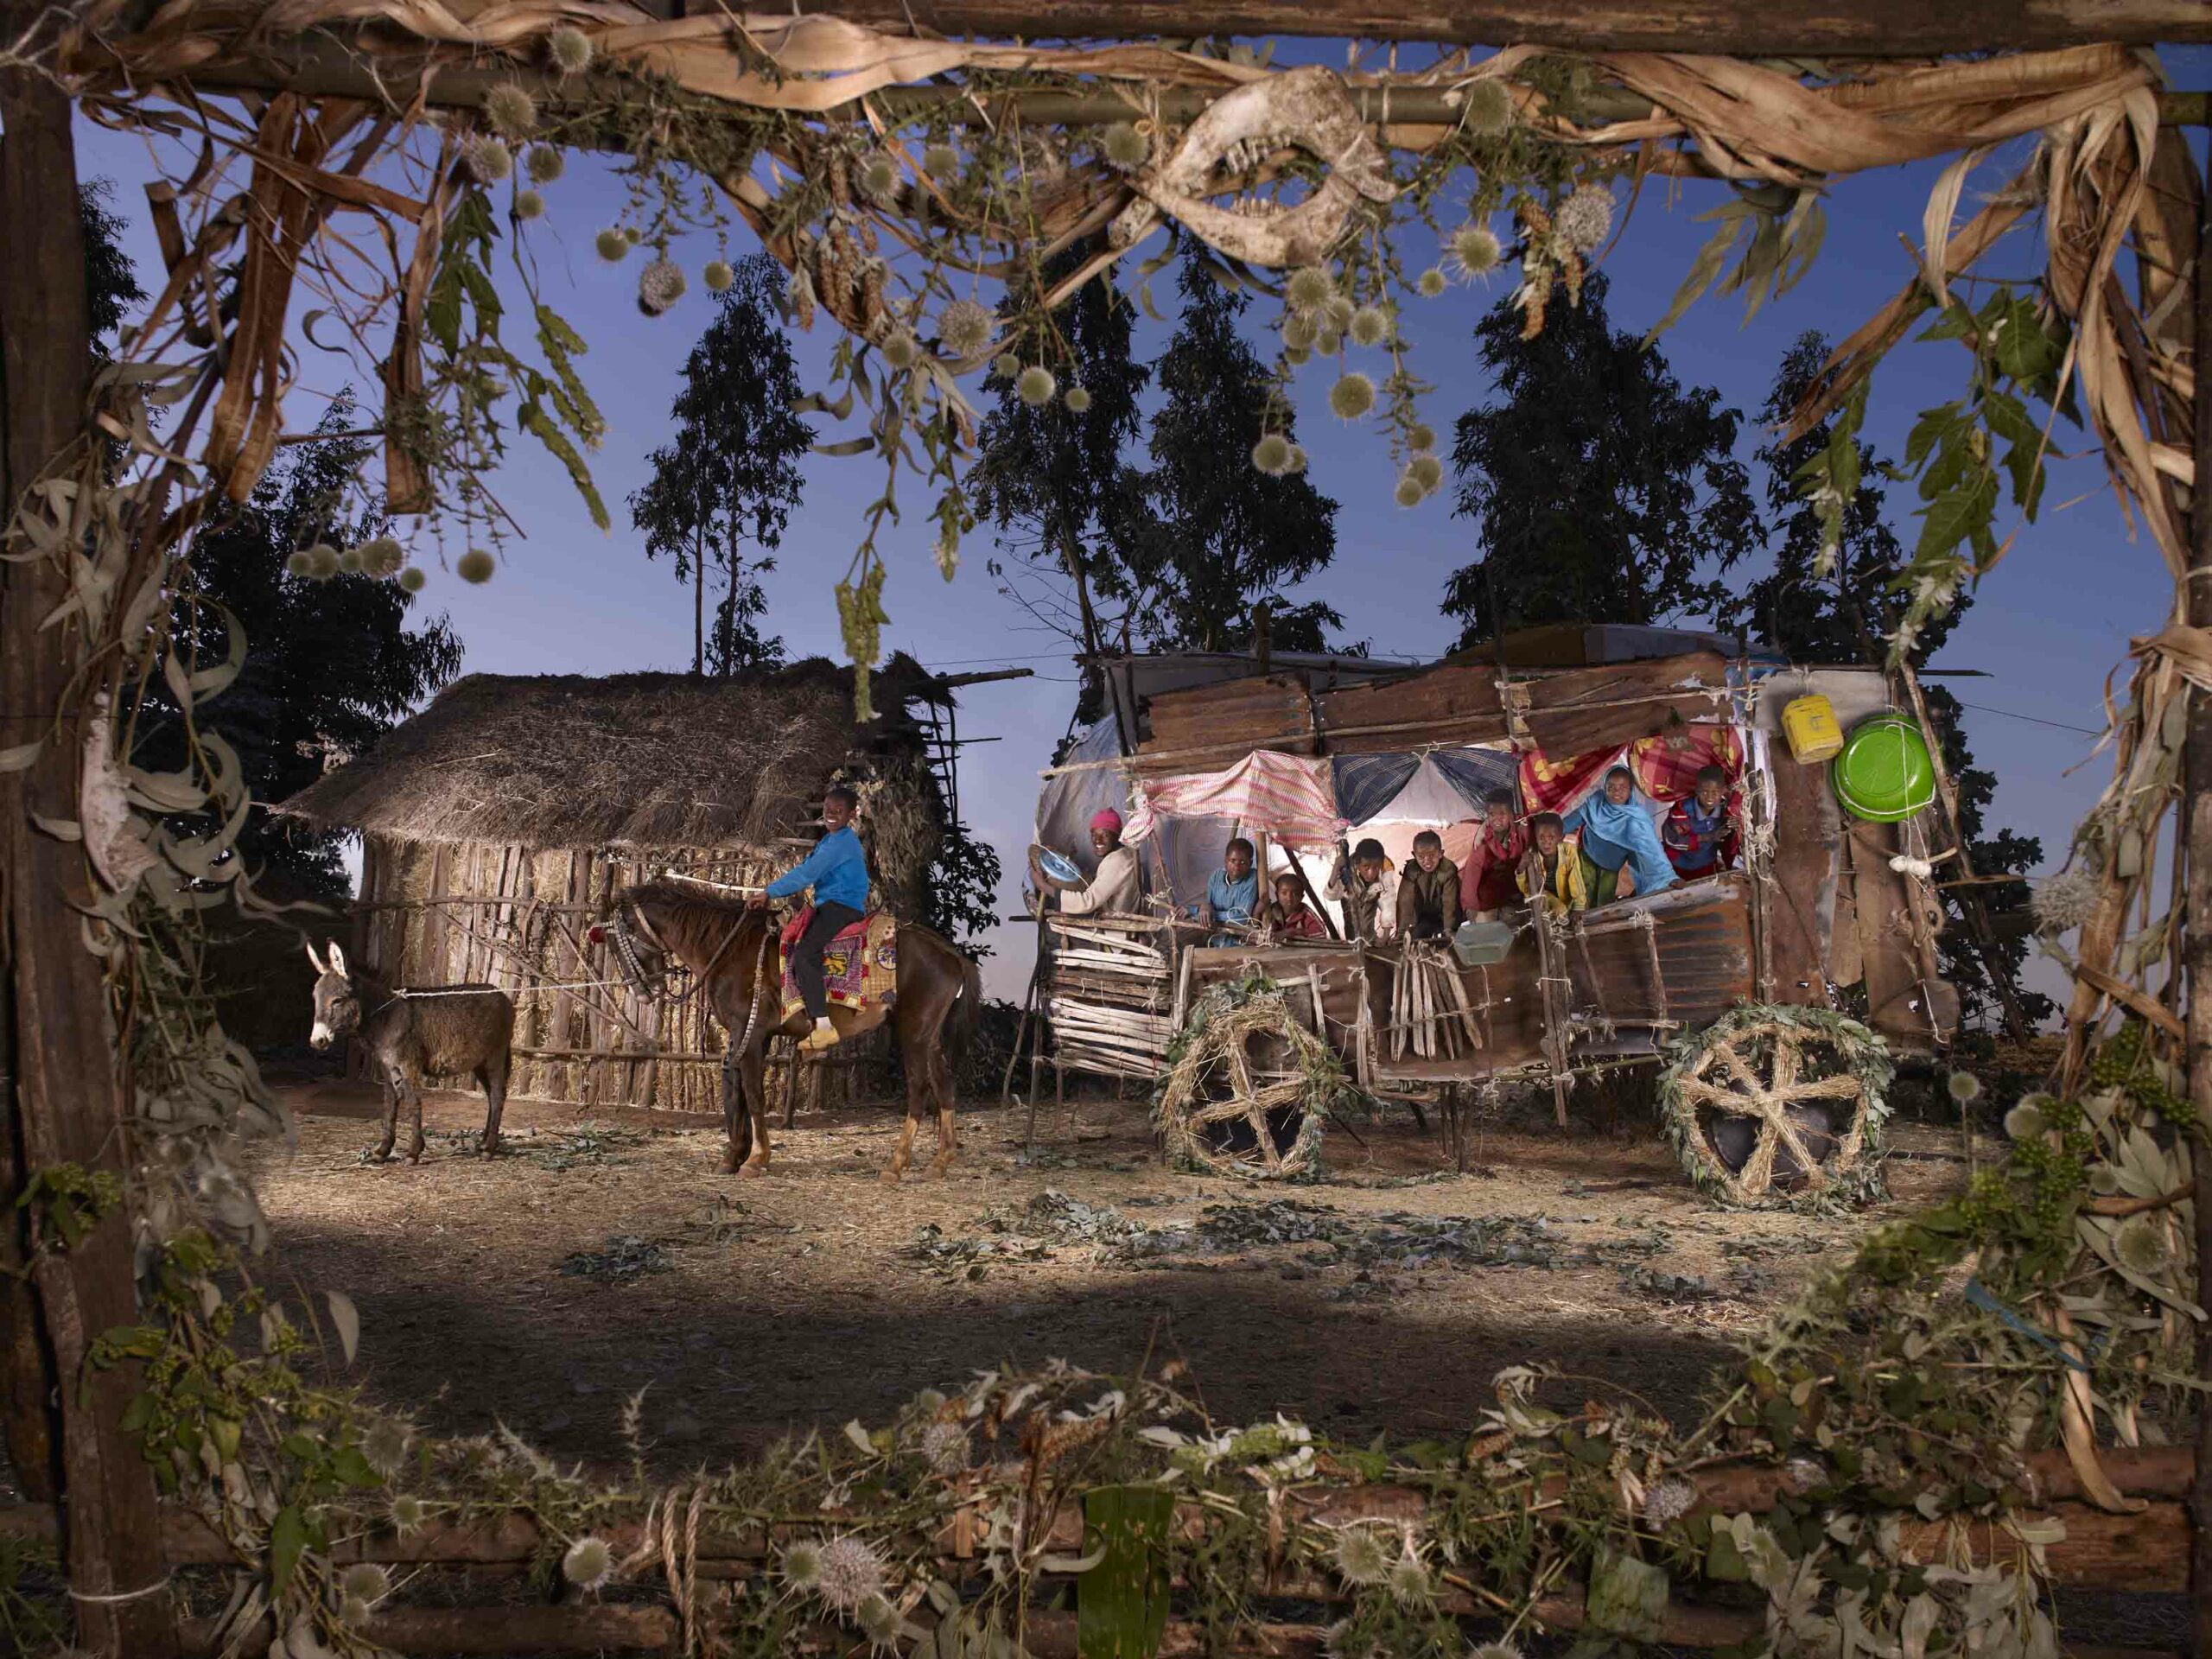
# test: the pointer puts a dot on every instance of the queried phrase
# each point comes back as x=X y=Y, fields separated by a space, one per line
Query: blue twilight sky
x=2048 y=626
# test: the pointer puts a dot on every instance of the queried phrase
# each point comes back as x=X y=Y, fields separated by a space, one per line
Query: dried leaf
x=347 y=1320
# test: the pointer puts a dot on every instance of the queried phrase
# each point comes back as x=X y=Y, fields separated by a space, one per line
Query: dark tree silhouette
x=1217 y=536
x=1053 y=483
x=111 y=285
x=1601 y=489
x=330 y=666
x=731 y=474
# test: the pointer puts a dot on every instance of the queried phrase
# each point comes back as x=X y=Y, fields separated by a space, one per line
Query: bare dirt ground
x=601 y=1255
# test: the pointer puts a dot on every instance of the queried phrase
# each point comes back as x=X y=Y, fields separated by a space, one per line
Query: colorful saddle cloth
x=859 y=967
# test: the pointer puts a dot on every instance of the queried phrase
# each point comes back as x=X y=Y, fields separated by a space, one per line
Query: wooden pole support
x=2194 y=835
x=62 y=1096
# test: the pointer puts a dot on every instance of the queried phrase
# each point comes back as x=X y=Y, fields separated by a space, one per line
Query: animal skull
x=1308 y=109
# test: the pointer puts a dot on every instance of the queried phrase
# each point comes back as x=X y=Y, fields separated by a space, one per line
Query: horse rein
x=624 y=913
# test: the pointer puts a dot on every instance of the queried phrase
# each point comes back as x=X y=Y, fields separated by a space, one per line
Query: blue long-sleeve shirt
x=837 y=869
x=1233 y=901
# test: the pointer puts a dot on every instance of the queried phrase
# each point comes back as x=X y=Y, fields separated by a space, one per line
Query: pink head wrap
x=1108 y=819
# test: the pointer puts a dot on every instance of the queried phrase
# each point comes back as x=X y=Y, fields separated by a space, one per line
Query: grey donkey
x=411 y=1033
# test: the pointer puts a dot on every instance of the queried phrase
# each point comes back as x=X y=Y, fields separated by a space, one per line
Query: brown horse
x=735 y=960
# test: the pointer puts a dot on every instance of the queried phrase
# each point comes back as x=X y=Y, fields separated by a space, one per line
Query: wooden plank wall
x=507 y=916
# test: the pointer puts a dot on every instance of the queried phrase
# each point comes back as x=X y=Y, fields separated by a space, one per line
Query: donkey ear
x=312 y=958
x=336 y=958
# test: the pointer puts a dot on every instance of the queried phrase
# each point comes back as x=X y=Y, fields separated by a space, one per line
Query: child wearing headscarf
x=1620 y=840
x=1113 y=884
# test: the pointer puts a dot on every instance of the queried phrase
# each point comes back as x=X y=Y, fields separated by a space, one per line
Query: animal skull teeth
x=1307 y=109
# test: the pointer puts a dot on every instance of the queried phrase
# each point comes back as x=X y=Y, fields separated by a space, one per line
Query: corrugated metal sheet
x=1688 y=966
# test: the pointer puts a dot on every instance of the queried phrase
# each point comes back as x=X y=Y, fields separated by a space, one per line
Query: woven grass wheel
x=1778 y=1107
x=1214 y=1098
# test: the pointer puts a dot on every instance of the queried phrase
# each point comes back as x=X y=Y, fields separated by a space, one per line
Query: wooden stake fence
x=2144 y=1551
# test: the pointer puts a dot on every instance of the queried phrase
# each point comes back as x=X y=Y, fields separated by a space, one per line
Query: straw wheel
x=1774 y=1106
x=1217 y=1113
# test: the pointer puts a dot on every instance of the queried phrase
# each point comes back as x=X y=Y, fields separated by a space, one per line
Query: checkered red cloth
x=1559 y=785
x=1663 y=772
x=1668 y=773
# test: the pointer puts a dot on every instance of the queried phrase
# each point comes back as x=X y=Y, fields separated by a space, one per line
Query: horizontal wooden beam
x=511 y=1628
x=1872 y=28
x=330 y=67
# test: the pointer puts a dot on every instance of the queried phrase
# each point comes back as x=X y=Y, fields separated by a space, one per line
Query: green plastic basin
x=1883 y=774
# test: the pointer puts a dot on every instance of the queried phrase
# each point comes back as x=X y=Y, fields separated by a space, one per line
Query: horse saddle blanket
x=860 y=967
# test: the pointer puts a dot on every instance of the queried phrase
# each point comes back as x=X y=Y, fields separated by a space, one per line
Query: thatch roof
x=644 y=760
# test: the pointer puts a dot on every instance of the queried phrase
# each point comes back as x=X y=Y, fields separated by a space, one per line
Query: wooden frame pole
x=1969 y=898
x=2195 y=834
x=61 y=1095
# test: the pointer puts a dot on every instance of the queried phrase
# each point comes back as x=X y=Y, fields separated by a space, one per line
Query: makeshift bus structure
x=1302 y=753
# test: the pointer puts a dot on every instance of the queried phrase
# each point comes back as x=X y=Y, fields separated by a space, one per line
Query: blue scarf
x=1627 y=829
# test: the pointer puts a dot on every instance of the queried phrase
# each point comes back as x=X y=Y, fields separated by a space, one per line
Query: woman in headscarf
x=1113 y=884
x=1619 y=838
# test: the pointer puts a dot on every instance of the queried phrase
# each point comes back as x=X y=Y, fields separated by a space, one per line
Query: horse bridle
x=657 y=985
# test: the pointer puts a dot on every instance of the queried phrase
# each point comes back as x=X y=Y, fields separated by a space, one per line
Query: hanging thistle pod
x=1585 y=218
x=1351 y=397
x=1369 y=326
x=1488 y=110
x=510 y=110
x=487 y=159
x=570 y=50
x=966 y=327
x=1035 y=385
x=1310 y=288
x=1125 y=147
x=1475 y=250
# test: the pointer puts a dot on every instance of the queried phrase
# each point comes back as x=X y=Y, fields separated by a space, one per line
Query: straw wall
x=455 y=913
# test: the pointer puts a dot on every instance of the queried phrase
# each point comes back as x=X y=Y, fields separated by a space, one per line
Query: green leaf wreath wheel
x=1774 y=1107
x=1221 y=1111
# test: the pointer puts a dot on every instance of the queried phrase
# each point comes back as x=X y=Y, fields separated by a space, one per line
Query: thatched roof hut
x=495 y=822
x=624 y=760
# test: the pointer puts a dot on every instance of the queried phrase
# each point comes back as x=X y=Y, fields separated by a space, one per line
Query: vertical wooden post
x=2196 y=835
x=63 y=1098
x=1970 y=905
